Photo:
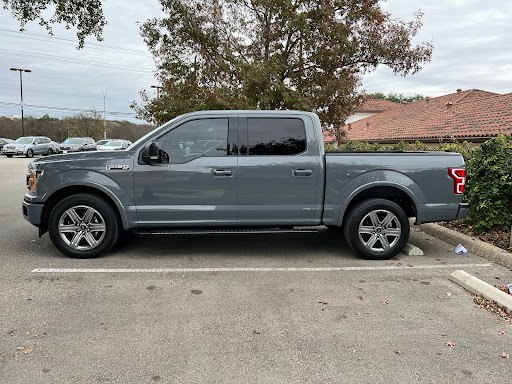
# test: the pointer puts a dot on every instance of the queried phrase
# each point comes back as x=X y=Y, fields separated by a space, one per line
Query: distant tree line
x=86 y=124
x=395 y=97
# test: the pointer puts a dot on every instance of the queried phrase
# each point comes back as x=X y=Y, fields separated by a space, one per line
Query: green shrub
x=489 y=190
x=403 y=146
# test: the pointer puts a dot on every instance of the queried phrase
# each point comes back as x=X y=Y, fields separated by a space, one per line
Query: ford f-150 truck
x=240 y=171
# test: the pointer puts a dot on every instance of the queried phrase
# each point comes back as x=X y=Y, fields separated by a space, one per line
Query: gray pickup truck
x=240 y=171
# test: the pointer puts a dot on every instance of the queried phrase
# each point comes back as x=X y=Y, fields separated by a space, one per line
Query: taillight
x=459 y=177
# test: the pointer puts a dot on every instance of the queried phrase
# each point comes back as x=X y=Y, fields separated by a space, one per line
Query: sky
x=472 y=49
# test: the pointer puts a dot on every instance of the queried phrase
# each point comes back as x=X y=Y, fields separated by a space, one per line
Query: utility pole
x=104 y=121
x=20 y=70
x=158 y=87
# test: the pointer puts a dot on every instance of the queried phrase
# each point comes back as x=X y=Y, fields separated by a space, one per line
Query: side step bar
x=220 y=231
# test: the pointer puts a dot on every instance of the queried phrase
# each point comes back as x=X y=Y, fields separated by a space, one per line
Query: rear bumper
x=442 y=212
x=463 y=211
x=32 y=212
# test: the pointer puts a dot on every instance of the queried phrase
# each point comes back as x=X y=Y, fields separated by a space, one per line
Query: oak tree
x=274 y=54
x=85 y=15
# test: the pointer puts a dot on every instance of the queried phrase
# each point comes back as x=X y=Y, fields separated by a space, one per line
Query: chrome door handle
x=222 y=172
x=302 y=172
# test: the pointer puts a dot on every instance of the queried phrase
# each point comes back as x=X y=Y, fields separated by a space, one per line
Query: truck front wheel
x=377 y=229
x=83 y=226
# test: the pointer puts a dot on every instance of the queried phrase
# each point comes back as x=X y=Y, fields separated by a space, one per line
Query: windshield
x=113 y=144
x=102 y=142
x=73 y=141
x=24 y=140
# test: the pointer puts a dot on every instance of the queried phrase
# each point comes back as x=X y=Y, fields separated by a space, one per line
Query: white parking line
x=182 y=270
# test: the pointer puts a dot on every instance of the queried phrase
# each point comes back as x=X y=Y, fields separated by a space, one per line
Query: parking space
x=294 y=308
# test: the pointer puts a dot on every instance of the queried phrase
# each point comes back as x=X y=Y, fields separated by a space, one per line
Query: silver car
x=28 y=146
x=115 y=144
x=4 y=142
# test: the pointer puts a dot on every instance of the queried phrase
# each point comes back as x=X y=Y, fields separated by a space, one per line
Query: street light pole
x=157 y=90
x=20 y=70
x=104 y=121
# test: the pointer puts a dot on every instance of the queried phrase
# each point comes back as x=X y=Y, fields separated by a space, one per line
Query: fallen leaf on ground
x=15 y=354
x=504 y=355
x=20 y=348
x=357 y=313
x=410 y=265
x=398 y=352
x=449 y=344
x=353 y=285
x=213 y=273
x=384 y=302
x=361 y=298
x=310 y=261
x=322 y=302
x=257 y=331
x=399 y=264
x=26 y=351
x=502 y=333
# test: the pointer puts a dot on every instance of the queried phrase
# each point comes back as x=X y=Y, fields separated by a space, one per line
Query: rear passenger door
x=277 y=171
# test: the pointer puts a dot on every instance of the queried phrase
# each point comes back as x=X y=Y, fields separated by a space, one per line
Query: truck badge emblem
x=118 y=166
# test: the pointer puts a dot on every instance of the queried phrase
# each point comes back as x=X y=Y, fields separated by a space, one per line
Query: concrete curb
x=479 y=287
x=476 y=246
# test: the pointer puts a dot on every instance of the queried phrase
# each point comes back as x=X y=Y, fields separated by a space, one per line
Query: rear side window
x=273 y=136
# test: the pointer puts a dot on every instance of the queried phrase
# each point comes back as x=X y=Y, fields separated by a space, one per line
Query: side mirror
x=150 y=153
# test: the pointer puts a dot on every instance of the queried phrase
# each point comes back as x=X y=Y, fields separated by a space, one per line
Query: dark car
x=77 y=144
x=3 y=142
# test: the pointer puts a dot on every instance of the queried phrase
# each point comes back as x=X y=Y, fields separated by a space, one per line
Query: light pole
x=20 y=70
x=157 y=90
x=104 y=121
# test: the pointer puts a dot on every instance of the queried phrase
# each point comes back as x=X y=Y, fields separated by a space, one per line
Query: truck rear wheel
x=84 y=226
x=377 y=229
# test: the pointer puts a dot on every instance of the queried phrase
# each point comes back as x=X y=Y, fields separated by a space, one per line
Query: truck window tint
x=196 y=138
x=270 y=136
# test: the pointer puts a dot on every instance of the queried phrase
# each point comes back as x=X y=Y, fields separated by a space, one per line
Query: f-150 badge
x=118 y=166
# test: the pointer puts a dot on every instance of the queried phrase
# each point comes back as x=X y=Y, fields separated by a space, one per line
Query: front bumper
x=32 y=212
x=13 y=152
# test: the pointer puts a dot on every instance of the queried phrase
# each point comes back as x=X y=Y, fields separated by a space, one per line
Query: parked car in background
x=77 y=144
x=100 y=143
x=115 y=144
x=53 y=148
x=3 y=142
x=28 y=146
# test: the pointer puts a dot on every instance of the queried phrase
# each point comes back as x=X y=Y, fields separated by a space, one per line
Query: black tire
x=50 y=152
x=30 y=153
x=376 y=229
x=72 y=222
x=9 y=155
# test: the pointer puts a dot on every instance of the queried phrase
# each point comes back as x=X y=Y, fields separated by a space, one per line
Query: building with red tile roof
x=471 y=115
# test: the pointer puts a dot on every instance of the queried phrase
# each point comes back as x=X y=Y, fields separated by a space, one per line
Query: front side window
x=276 y=136
x=194 y=139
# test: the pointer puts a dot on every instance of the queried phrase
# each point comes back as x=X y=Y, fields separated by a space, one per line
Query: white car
x=112 y=145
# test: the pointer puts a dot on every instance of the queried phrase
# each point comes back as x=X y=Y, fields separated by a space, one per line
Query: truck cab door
x=279 y=170
x=194 y=183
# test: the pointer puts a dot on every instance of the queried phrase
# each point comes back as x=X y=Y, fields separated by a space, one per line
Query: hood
x=83 y=156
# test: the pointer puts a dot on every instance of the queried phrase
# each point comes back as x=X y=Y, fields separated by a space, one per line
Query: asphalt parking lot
x=239 y=308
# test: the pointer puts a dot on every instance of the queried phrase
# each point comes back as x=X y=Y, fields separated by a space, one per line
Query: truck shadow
x=292 y=245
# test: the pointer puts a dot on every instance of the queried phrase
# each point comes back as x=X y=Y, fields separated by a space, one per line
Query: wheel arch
x=66 y=191
x=392 y=192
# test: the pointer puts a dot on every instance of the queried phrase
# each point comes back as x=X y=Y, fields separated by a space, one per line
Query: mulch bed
x=495 y=236
x=491 y=306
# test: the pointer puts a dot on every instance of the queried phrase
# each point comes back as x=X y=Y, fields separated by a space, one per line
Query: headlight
x=33 y=176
